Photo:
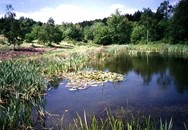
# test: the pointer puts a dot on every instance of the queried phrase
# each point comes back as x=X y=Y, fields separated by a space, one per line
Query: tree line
x=168 y=24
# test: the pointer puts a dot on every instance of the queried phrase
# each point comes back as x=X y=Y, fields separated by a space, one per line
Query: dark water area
x=154 y=85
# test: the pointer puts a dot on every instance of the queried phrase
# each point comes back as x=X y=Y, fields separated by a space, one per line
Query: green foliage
x=179 y=25
x=43 y=35
x=164 y=11
x=12 y=29
x=46 y=34
x=138 y=34
x=73 y=32
x=33 y=35
x=15 y=30
x=29 y=37
x=57 y=36
x=21 y=85
x=119 y=28
x=88 y=33
x=25 y=27
x=101 y=34
x=50 y=33
x=161 y=30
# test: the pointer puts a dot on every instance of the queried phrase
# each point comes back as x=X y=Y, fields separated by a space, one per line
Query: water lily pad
x=85 y=79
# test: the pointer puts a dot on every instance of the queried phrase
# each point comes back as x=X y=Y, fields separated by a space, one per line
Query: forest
x=168 y=24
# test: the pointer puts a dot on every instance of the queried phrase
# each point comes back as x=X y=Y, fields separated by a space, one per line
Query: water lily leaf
x=85 y=79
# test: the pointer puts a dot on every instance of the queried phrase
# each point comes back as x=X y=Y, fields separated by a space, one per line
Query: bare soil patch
x=9 y=54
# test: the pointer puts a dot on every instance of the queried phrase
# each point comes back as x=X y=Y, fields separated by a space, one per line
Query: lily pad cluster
x=85 y=79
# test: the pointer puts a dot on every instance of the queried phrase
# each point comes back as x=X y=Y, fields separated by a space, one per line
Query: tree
x=48 y=33
x=25 y=27
x=11 y=27
x=49 y=28
x=51 y=21
x=34 y=34
x=88 y=33
x=73 y=32
x=57 y=36
x=179 y=25
x=137 y=16
x=119 y=28
x=147 y=19
x=43 y=35
x=2 y=21
x=101 y=34
x=164 y=11
x=138 y=34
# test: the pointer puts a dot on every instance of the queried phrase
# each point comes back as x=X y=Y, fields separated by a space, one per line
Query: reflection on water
x=155 y=85
x=169 y=68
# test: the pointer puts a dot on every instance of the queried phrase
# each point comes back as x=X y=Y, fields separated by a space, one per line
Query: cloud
x=122 y=8
x=61 y=13
x=73 y=13
x=173 y=2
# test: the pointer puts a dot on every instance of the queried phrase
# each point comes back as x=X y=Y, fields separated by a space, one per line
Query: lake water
x=154 y=85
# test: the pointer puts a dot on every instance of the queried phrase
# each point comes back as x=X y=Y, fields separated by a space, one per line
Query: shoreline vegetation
x=23 y=83
x=69 y=47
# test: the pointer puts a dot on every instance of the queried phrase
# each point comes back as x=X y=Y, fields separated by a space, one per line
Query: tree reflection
x=179 y=70
x=167 y=69
x=164 y=80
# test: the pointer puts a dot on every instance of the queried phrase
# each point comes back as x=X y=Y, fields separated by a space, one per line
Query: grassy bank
x=162 y=48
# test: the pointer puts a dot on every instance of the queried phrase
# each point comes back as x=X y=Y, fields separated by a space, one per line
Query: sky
x=76 y=10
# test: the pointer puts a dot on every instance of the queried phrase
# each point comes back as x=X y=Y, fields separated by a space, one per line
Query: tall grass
x=58 y=65
x=112 y=122
x=162 y=48
x=21 y=86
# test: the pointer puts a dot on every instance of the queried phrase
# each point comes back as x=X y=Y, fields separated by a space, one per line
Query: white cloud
x=73 y=13
x=59 y=14
x=122 y=8
x=62 y=13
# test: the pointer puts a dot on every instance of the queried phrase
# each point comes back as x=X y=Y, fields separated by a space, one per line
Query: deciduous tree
x=119 y=28
x=179 y=26
x=11 y=27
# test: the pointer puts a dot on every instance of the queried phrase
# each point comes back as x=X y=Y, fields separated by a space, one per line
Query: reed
x=21 y=87
x=112 y=122
x=185 y=126
x=166 y=125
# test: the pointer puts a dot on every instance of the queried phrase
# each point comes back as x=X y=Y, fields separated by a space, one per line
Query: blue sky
x=76 y=10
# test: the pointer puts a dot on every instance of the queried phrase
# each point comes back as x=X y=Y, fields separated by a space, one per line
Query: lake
x=155 y=85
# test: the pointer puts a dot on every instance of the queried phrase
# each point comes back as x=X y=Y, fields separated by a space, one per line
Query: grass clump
x=21 y=86
x=111 y=122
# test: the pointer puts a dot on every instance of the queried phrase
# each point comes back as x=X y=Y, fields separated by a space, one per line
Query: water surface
x=154 y=85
